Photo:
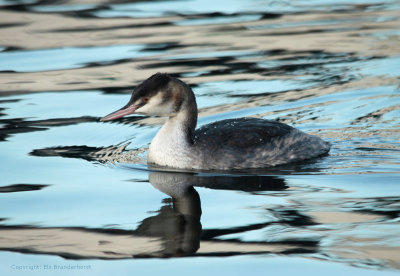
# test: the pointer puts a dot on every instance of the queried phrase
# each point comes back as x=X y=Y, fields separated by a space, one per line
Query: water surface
x=78 y=198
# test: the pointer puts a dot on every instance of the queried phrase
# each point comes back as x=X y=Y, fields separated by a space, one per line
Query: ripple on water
x=69 y=57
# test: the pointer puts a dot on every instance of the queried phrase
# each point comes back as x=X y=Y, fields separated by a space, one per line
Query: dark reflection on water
x=21 y=188
x=175 y=228
x=313 y=63
x=174 y=231
x=21 y=125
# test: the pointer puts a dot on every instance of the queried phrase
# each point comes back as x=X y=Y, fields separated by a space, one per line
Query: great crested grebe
x=243 y=143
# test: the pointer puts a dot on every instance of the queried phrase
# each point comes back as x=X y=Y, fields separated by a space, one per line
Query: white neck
x=171 y=145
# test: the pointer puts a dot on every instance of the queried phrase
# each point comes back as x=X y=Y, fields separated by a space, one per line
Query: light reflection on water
x=74 y=187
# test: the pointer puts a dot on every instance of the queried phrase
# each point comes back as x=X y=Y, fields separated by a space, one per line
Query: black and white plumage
x=223 y=145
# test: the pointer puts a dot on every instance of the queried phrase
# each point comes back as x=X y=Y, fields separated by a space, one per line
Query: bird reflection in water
x=174 y=231
x=178 y=225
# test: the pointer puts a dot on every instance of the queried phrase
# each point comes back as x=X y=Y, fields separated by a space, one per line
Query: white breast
x=169 y=147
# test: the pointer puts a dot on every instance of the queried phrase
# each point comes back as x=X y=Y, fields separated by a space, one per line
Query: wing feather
x=240 y=133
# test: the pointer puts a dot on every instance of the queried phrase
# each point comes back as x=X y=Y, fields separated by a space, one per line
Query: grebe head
x=159 y=95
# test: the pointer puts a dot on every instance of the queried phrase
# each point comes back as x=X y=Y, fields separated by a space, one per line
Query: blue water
x=76 y=194
x=66 y=58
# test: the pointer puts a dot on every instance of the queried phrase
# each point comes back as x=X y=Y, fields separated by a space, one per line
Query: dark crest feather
x=151 y=86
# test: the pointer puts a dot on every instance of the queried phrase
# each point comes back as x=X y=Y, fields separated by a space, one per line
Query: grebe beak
x=126 y=110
